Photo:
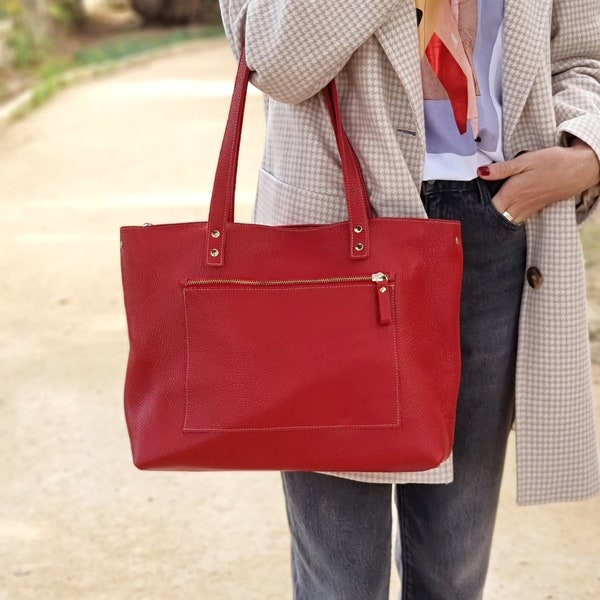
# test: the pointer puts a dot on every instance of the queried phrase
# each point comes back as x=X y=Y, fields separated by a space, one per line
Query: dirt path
x=77 y=521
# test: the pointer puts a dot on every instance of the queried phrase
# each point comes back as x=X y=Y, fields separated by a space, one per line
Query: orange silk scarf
x=447 y=31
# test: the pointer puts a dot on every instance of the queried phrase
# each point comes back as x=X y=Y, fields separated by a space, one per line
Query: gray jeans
x=341 y=529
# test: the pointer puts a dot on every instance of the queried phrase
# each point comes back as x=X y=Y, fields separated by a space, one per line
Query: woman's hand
x=542 y=177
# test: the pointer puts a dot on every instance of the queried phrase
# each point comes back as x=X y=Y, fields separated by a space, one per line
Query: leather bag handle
x=223 y=197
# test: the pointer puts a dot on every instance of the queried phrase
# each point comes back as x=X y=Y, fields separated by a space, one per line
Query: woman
x=488 y=113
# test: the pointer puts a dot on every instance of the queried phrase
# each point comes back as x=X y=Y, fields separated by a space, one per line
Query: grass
x=47 y=76
x=118 y=49
x=48 y=81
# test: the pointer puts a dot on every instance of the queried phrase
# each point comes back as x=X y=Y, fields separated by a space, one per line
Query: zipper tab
x=384 y=300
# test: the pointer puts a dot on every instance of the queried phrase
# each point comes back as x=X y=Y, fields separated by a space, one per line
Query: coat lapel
x=525 y=47
x=399 y=40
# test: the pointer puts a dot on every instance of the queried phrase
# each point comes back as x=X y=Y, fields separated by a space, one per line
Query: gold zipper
x=384 y=302
x=376 y=277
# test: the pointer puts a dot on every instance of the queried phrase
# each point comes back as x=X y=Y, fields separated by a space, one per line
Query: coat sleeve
x=295 y=47
x=576 y=79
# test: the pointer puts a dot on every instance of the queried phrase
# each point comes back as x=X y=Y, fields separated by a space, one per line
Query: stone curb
x=11 y=110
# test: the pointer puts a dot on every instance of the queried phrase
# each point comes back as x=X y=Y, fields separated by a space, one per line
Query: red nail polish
x=483 y=171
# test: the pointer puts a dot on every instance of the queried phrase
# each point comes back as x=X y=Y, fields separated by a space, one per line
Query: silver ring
x=508 y=216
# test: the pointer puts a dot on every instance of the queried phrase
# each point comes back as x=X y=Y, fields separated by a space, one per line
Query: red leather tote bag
x=330 y=347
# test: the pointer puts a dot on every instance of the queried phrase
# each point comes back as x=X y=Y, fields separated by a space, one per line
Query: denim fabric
x=341 y=529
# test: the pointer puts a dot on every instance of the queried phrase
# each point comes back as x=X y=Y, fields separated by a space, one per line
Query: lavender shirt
x=451 y=155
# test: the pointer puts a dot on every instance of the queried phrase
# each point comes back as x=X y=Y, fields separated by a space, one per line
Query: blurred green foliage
x=130 y=46
x=10 y=8
x=26 y=51
x=177 y=12
x=38 y=55
x=49 y=71
x=26 y=47
x=30 y=38
x=69 y=13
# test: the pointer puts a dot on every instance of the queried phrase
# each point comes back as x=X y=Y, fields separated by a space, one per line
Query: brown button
x=535 y=278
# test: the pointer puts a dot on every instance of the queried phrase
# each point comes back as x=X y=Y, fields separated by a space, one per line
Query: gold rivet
x=358 y=229
x=383 y=289
x=458 y=240
x=359 y=247
x=214 y=252
x=216 y=233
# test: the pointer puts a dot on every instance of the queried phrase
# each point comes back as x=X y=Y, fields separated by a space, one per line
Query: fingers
x=504 y=205
x=501 y=170
x=511 y=211
x=539 y=178
x=504 y=200
x=520 y=196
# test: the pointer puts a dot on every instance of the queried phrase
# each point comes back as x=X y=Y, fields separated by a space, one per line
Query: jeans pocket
x=496 y=214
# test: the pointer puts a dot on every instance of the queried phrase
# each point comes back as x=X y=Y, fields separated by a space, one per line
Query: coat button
x=535 y=278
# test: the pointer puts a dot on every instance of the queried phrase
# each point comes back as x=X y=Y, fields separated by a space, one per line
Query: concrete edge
x=10 y=111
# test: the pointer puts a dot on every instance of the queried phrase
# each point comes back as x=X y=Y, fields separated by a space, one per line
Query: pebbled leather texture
x=282 y=351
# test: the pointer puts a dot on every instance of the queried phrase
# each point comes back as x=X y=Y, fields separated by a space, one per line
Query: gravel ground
x=77 y=521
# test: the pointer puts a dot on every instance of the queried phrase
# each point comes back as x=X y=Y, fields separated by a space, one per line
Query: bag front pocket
x=317 y=353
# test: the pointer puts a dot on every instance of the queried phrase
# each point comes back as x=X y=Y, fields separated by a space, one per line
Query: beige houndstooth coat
x=551 y=92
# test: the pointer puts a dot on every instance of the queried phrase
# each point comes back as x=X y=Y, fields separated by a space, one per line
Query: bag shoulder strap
x=223 y=197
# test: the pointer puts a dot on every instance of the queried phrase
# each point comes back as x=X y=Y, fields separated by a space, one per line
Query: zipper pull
x=383 y=298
